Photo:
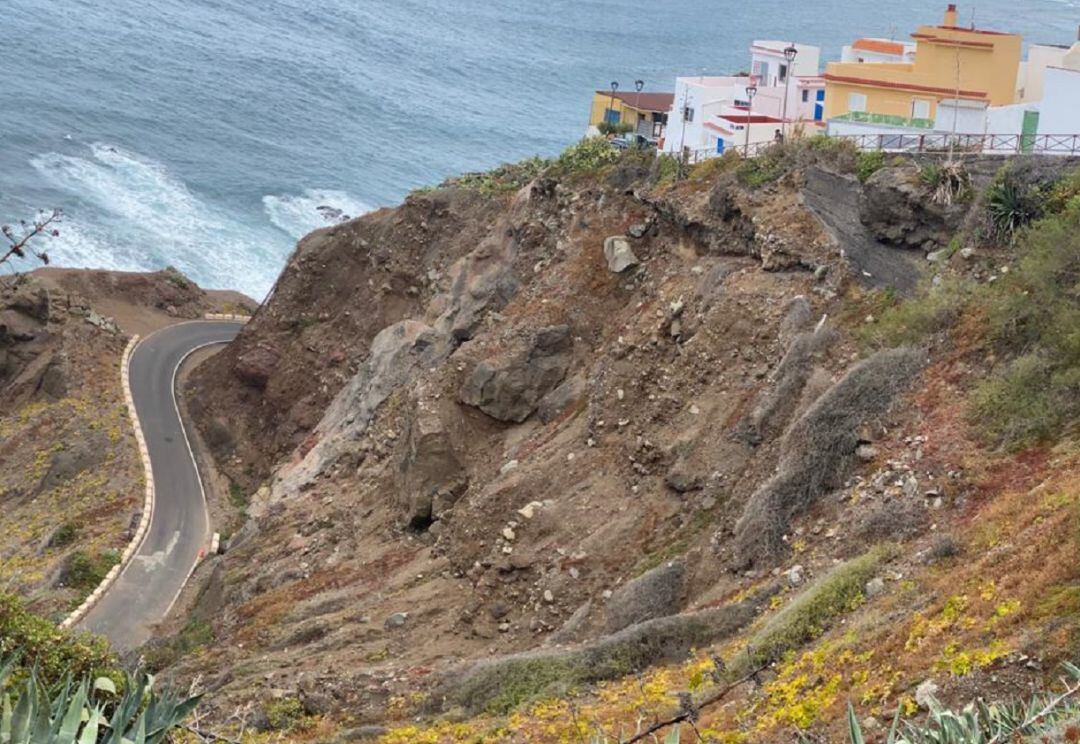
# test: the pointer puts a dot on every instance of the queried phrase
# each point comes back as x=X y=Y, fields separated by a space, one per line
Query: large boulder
x=430 y=474
x=510 y=389
x=620 y=256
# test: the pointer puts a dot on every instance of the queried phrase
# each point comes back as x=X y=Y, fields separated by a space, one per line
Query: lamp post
x=614 y=87
x=638 y=85
x=789 y=54
x=751 y=91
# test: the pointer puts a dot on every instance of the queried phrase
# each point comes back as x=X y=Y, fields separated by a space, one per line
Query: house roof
x=881 y=46
x=900 y=85
x=644 y=101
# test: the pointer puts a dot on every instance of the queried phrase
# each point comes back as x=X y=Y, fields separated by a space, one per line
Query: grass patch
x=811 y=613
x=502 y=179
x=65 y=535
x=589 y=156
x=913 y=322
x=238 y=497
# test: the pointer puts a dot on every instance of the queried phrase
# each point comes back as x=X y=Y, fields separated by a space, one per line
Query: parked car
x=633 y=140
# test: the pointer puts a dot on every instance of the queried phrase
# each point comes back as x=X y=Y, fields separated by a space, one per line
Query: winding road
x=180 y=526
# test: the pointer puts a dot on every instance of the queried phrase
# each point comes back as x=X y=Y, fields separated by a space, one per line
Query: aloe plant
x=90 y=712
x=979 y=723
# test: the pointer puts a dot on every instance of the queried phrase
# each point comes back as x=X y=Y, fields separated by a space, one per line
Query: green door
x=1028 y=131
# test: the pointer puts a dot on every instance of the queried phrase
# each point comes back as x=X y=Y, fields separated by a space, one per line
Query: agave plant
x=88 y=712
x=979 y=723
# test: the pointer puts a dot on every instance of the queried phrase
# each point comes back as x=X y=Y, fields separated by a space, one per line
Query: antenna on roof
x=972 y=17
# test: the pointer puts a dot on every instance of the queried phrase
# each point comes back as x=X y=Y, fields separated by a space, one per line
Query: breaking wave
x=297 y=215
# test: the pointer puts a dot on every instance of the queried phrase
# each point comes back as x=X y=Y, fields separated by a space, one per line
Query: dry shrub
x=775 y=407
x=499 y=685
x=819 y=448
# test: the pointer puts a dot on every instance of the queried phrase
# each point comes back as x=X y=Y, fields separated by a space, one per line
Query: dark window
x=783 y=73
x=688 y=113
x=805 y=95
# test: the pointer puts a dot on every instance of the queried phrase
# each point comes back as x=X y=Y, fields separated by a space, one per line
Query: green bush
x=1033 y=318
x=588 y=156
x=502 y=179
x=913 y=322
x=285 y=714
x=164 y=652
x=37 y=642
x=808 y=615
x=608 y=128
x=64 y=535
x=868 y=163
x=84 y=572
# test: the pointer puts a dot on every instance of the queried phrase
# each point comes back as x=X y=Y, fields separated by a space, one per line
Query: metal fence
x=984 y=144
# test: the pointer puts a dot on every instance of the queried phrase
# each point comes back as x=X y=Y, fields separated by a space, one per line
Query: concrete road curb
x=227 y=316
x=148 y=500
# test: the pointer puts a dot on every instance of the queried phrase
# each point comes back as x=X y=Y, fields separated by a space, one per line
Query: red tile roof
x=644 y=101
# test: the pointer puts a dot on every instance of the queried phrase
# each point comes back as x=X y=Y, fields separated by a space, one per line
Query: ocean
x=206 y=134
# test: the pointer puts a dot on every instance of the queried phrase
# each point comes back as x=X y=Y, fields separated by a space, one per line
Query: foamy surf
x=132 y=213
x=298 y=214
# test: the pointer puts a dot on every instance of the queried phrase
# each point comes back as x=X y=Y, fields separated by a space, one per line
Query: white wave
x=141 y=217
x=299 y=214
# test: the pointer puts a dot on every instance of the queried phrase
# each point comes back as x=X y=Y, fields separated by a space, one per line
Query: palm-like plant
x=979 y=723
x=88 y=712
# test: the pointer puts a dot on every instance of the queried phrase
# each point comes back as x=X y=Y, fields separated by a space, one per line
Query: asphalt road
x=179 y=530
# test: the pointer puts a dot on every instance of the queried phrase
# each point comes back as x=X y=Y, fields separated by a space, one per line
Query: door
x=819 y=105
x=1029 y=130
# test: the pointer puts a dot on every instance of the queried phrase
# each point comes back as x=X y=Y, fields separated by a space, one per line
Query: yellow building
x=950 y=62
x=647 y=113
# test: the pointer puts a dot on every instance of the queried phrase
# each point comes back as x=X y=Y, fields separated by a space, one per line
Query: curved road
x=179 y=530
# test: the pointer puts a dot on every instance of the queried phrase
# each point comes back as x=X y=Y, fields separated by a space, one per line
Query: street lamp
x=638 y=85
x=614 y=87
x=751 y=91
x=789 y=54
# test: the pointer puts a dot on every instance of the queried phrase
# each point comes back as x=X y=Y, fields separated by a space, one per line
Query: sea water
x=212 y=134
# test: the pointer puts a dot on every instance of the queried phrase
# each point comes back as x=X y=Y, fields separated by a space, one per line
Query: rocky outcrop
x=430 y=472
x=620 y=256
x=398 y=354
x=510 y=389
x=896 y=209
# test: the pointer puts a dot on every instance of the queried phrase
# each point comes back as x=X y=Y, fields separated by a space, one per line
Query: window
x=611 y=116
x=783 y=73
x=687 y=113
x=805 y=95
x=856 y=102
x=920 y=109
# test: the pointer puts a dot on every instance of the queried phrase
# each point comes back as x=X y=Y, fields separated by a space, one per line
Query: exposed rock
x=511 y=389
x=897 y=211
x=396 y=620
x=681 y=479
x=874 y=587
x=620 y=256
x=398 y=353
x=654 y=594
x=637 y=230
x=565 y=397
x=429 y=468
x=255 y=367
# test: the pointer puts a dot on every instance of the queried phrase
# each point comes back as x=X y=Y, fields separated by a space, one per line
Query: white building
x=712 y=114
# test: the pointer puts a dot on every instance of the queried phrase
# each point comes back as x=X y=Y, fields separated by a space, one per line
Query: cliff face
x=604 y=419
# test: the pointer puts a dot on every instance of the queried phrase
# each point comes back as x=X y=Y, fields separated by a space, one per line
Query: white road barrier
x=148 y=500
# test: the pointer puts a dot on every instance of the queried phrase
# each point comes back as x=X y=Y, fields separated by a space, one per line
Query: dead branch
x=691 y=710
